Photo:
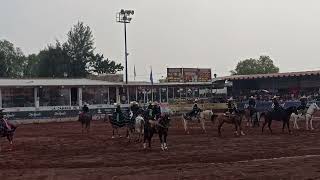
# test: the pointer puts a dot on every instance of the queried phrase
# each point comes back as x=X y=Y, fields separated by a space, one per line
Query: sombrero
x=230 y=99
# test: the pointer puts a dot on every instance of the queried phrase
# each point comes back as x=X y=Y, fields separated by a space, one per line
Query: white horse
x=201 y=117
x=138 y=128
x=308 y=117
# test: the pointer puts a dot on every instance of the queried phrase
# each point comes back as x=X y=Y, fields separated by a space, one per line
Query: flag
x=151 y=77
x=134 y=72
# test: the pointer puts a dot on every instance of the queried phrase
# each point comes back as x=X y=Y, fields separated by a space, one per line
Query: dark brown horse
x=85 y=119
x=279 y=115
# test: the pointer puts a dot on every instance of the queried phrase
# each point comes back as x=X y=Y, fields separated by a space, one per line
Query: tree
x=12 y=60
x=54 y=62
x=105 y=66
x=263 y=65
x=79 y=48
x=31 y=68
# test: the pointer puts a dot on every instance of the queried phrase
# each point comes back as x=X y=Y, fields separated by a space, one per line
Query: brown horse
x=8 y=133
x=234 y=119
x=85 y=119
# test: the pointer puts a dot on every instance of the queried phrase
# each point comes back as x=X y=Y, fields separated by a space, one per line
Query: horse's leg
x=307 y=122
x=288 y=126
x=311 y=126
x=264 y=124
x=240 y=128
x=165 y=134
x=145 y=138
x=113 y=133
x=10 y=139
x=185 y=125
x=219 y=127
x=295 y=122
x=269 y=125
x=161 y=140
x=283 y=125
x=203 y=125
x=150 y=136
x=236 y=128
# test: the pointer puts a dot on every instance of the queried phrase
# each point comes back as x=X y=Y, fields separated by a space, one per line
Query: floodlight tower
x=124 y=16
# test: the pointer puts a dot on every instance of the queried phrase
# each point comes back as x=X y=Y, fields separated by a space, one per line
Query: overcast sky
x=175 y=33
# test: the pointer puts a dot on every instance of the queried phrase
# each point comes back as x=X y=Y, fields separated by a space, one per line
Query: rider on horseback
x=195 y=110
x=232 y=106
x=303 y=105
x=85 y=108
x=252 y=105
x=276 y=105
x=134 y=108
x=5 y=124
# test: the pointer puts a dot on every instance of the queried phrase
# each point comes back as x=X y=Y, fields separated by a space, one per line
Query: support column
x=0 y=98
x=36 y=97
x=128 y=95
x=108 y=90
x=160 y=91
x=167 y=94
x=80 y=96
x=173 y=93
x=137 y=94
x=117 y=95
x=70 y=101
x=152 y=94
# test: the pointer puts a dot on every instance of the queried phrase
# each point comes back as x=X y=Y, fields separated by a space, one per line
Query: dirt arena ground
x=58 y=151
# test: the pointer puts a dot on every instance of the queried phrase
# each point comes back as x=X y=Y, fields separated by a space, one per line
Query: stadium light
x=124 y=16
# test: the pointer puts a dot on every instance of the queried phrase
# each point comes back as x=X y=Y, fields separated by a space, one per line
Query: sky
x=175 y=33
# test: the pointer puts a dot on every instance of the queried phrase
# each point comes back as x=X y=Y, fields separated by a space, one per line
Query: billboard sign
x=174 y=74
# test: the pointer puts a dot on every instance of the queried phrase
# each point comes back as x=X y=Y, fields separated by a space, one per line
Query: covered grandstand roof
x=272 y=75
x=82 y=82
x=54 y=82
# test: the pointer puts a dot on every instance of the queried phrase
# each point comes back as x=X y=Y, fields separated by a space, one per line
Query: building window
x=17 y=97
x=54 y=96
x=95 y=95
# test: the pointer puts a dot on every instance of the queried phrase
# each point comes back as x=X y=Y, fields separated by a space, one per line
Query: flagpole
x=151 y=79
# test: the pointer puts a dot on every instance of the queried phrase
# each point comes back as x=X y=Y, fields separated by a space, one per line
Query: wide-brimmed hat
x=303 y=97
x=230 y=99
x=275 y=97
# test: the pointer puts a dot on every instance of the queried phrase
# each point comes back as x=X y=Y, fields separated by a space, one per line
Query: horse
x=253 y=120
x=234 y=119
x=8 y=133
x=137 y=128
x=201 y=117
x=280 y=115
x=116 y=125
x=161 y=127
x=308 y=116
x=85 y=119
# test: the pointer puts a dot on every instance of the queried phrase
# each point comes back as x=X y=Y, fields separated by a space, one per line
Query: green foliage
x=105 y=66
x=12 y=60
x=263 y=65
x=79 y=48
x=32 y=66
x=53 y=62
x=74 y=58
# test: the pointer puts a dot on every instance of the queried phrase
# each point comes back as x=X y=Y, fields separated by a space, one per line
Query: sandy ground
x=59 y=151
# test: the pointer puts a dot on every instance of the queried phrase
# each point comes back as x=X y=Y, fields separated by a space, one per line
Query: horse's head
x=315 y=106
